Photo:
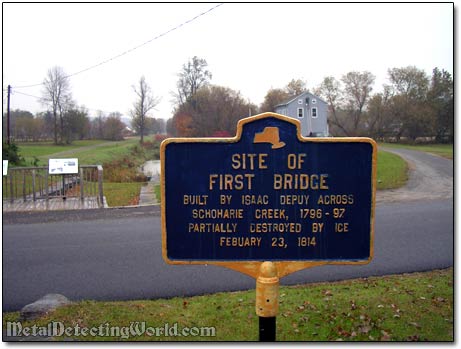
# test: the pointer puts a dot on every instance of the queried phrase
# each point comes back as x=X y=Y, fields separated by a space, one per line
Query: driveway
x=430 y=178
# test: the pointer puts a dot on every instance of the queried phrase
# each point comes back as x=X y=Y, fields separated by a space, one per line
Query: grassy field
x=104 y=151
x=41 y=150
x=444 y=150
x=408 y=307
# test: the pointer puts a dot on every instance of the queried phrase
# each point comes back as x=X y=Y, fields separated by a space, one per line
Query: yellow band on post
x=267 y=290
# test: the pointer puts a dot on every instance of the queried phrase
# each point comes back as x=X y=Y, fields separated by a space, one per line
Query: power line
x=25 y=94
x=41 y=98
x=132 y=49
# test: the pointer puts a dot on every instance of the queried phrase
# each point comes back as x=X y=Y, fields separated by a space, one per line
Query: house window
x=314 y=101
x=314 y=112
x=300 y=101
x=300 y=112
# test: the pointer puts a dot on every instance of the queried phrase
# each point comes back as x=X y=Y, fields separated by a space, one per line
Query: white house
x=310 y=110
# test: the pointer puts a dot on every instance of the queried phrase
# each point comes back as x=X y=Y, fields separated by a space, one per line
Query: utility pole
x=8 y=117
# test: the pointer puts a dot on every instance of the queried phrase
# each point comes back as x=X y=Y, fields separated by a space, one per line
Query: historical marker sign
x=268 y=195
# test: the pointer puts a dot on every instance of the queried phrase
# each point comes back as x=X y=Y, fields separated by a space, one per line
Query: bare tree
x=193 y=76
x=347 y=100
x=357 y=89
x=56 y=95
x=142 y=106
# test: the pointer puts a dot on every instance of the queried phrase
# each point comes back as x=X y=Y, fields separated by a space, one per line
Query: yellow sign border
x=252 y=268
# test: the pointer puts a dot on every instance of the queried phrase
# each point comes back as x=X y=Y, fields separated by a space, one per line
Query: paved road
x=120 y=258
x=115 y=254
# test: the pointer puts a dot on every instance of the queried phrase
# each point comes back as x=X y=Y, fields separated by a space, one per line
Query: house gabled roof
x=300 y=96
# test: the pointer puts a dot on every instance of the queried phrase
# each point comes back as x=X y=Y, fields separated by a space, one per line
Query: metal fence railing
x=35 y=183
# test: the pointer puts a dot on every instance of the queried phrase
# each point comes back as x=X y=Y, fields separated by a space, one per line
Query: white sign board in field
x=5 y=167
x=63 y=166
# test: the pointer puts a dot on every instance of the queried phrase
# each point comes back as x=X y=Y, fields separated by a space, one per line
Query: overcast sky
x=249 y=47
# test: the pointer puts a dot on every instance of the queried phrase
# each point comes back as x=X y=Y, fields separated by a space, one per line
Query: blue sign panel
x=268 y=195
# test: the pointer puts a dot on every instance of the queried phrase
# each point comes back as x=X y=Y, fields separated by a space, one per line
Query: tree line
x=64 y=121
x=77 y=125
x=412 y=105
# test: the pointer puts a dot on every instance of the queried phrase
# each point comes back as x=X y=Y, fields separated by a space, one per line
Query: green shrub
x=10 y=152
x=123 y=170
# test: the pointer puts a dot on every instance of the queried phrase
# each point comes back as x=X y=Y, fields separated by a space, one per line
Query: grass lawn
x=392 y=171
x=122 y=194
x=444 y=150
x=409 y=307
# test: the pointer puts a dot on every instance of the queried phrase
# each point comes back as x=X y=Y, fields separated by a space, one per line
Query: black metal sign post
x=268 y=202
x=267 y=329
